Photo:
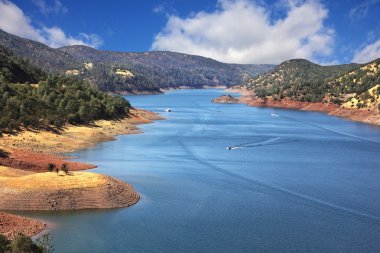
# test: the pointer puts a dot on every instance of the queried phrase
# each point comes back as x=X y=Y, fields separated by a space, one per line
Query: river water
x=293 y=181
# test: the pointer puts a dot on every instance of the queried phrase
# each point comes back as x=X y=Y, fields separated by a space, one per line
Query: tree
x=22 y=243
x=51 y=167
x=4 y=244
x=57 y=170
x=65 y=168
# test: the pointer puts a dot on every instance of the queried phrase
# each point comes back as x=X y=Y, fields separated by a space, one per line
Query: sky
x=232 y=31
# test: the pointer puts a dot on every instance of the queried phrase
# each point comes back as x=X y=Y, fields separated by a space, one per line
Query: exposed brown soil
x=51 y=191
x=38 y=162
x=74 y=137
x=25 y=184
x=289 y=104
x=370 y=116
x=11 y=225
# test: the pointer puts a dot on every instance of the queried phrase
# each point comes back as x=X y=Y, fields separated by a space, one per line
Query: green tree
x=4 y=244
x=51 y=167
x=24 y=244
x=65 y=168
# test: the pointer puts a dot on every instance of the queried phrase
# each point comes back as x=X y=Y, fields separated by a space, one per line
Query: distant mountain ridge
x=124 y=71
x=46 y=58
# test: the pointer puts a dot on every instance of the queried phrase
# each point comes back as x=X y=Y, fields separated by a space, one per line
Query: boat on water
x=168 y=110
x=274 y=115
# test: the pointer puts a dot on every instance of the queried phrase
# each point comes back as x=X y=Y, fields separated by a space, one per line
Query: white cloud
x=57 y=7
x=14 y=21
x=360 y=11
x=159 y=8
x=242 y=31
x=368 y=53
x=55 y=37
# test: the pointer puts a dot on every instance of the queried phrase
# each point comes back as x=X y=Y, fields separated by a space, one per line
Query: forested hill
x=359 y=88
x=31 y=98
x=48 y=59
x=122 y=71
x=297 y=79
x=16 y=70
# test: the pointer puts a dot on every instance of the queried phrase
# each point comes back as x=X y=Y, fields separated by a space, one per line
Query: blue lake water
x=299 y=182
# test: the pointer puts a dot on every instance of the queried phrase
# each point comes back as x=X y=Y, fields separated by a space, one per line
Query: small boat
x=168 y=110
x=274 y=115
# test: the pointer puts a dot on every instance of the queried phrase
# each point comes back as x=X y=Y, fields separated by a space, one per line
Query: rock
x=225 y=99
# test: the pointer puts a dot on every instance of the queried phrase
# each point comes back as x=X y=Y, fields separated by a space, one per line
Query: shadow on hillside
x=4 y=154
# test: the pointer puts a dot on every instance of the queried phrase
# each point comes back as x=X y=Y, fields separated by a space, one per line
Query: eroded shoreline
x=369 y=116
x=25 y=183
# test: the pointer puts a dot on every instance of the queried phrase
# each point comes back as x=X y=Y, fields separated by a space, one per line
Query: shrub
x=51 y=167
x=65 y=168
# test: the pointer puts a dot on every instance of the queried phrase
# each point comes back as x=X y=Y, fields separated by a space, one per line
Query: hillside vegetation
x=355 y=86
x=151 y=70
x=359 y=88
x=16 y=70
x=53 y=101
x=298 y=79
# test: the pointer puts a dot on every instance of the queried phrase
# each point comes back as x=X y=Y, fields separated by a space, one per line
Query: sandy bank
x=33 y=150
x=29 y=151
x=11 y=225
x=369 y=116
x=72 y=138
x=52 y=191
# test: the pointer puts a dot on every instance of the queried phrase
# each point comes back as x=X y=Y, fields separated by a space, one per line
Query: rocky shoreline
x=11 y=225
x=369 y=116
x=25 y=183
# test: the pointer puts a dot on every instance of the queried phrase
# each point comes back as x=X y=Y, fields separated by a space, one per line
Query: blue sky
x=240 y=31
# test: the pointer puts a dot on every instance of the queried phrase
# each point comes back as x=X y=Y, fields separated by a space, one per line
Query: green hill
x=16 y=70
x=298 y=79
x=31 y=98
x=359 y=87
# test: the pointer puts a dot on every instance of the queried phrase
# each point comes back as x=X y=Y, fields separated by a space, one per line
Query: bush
x=65 y=168
x=51 y=167
x=24 y=244
x=4 y=244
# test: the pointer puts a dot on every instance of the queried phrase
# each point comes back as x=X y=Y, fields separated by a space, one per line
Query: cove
x=296 y=181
